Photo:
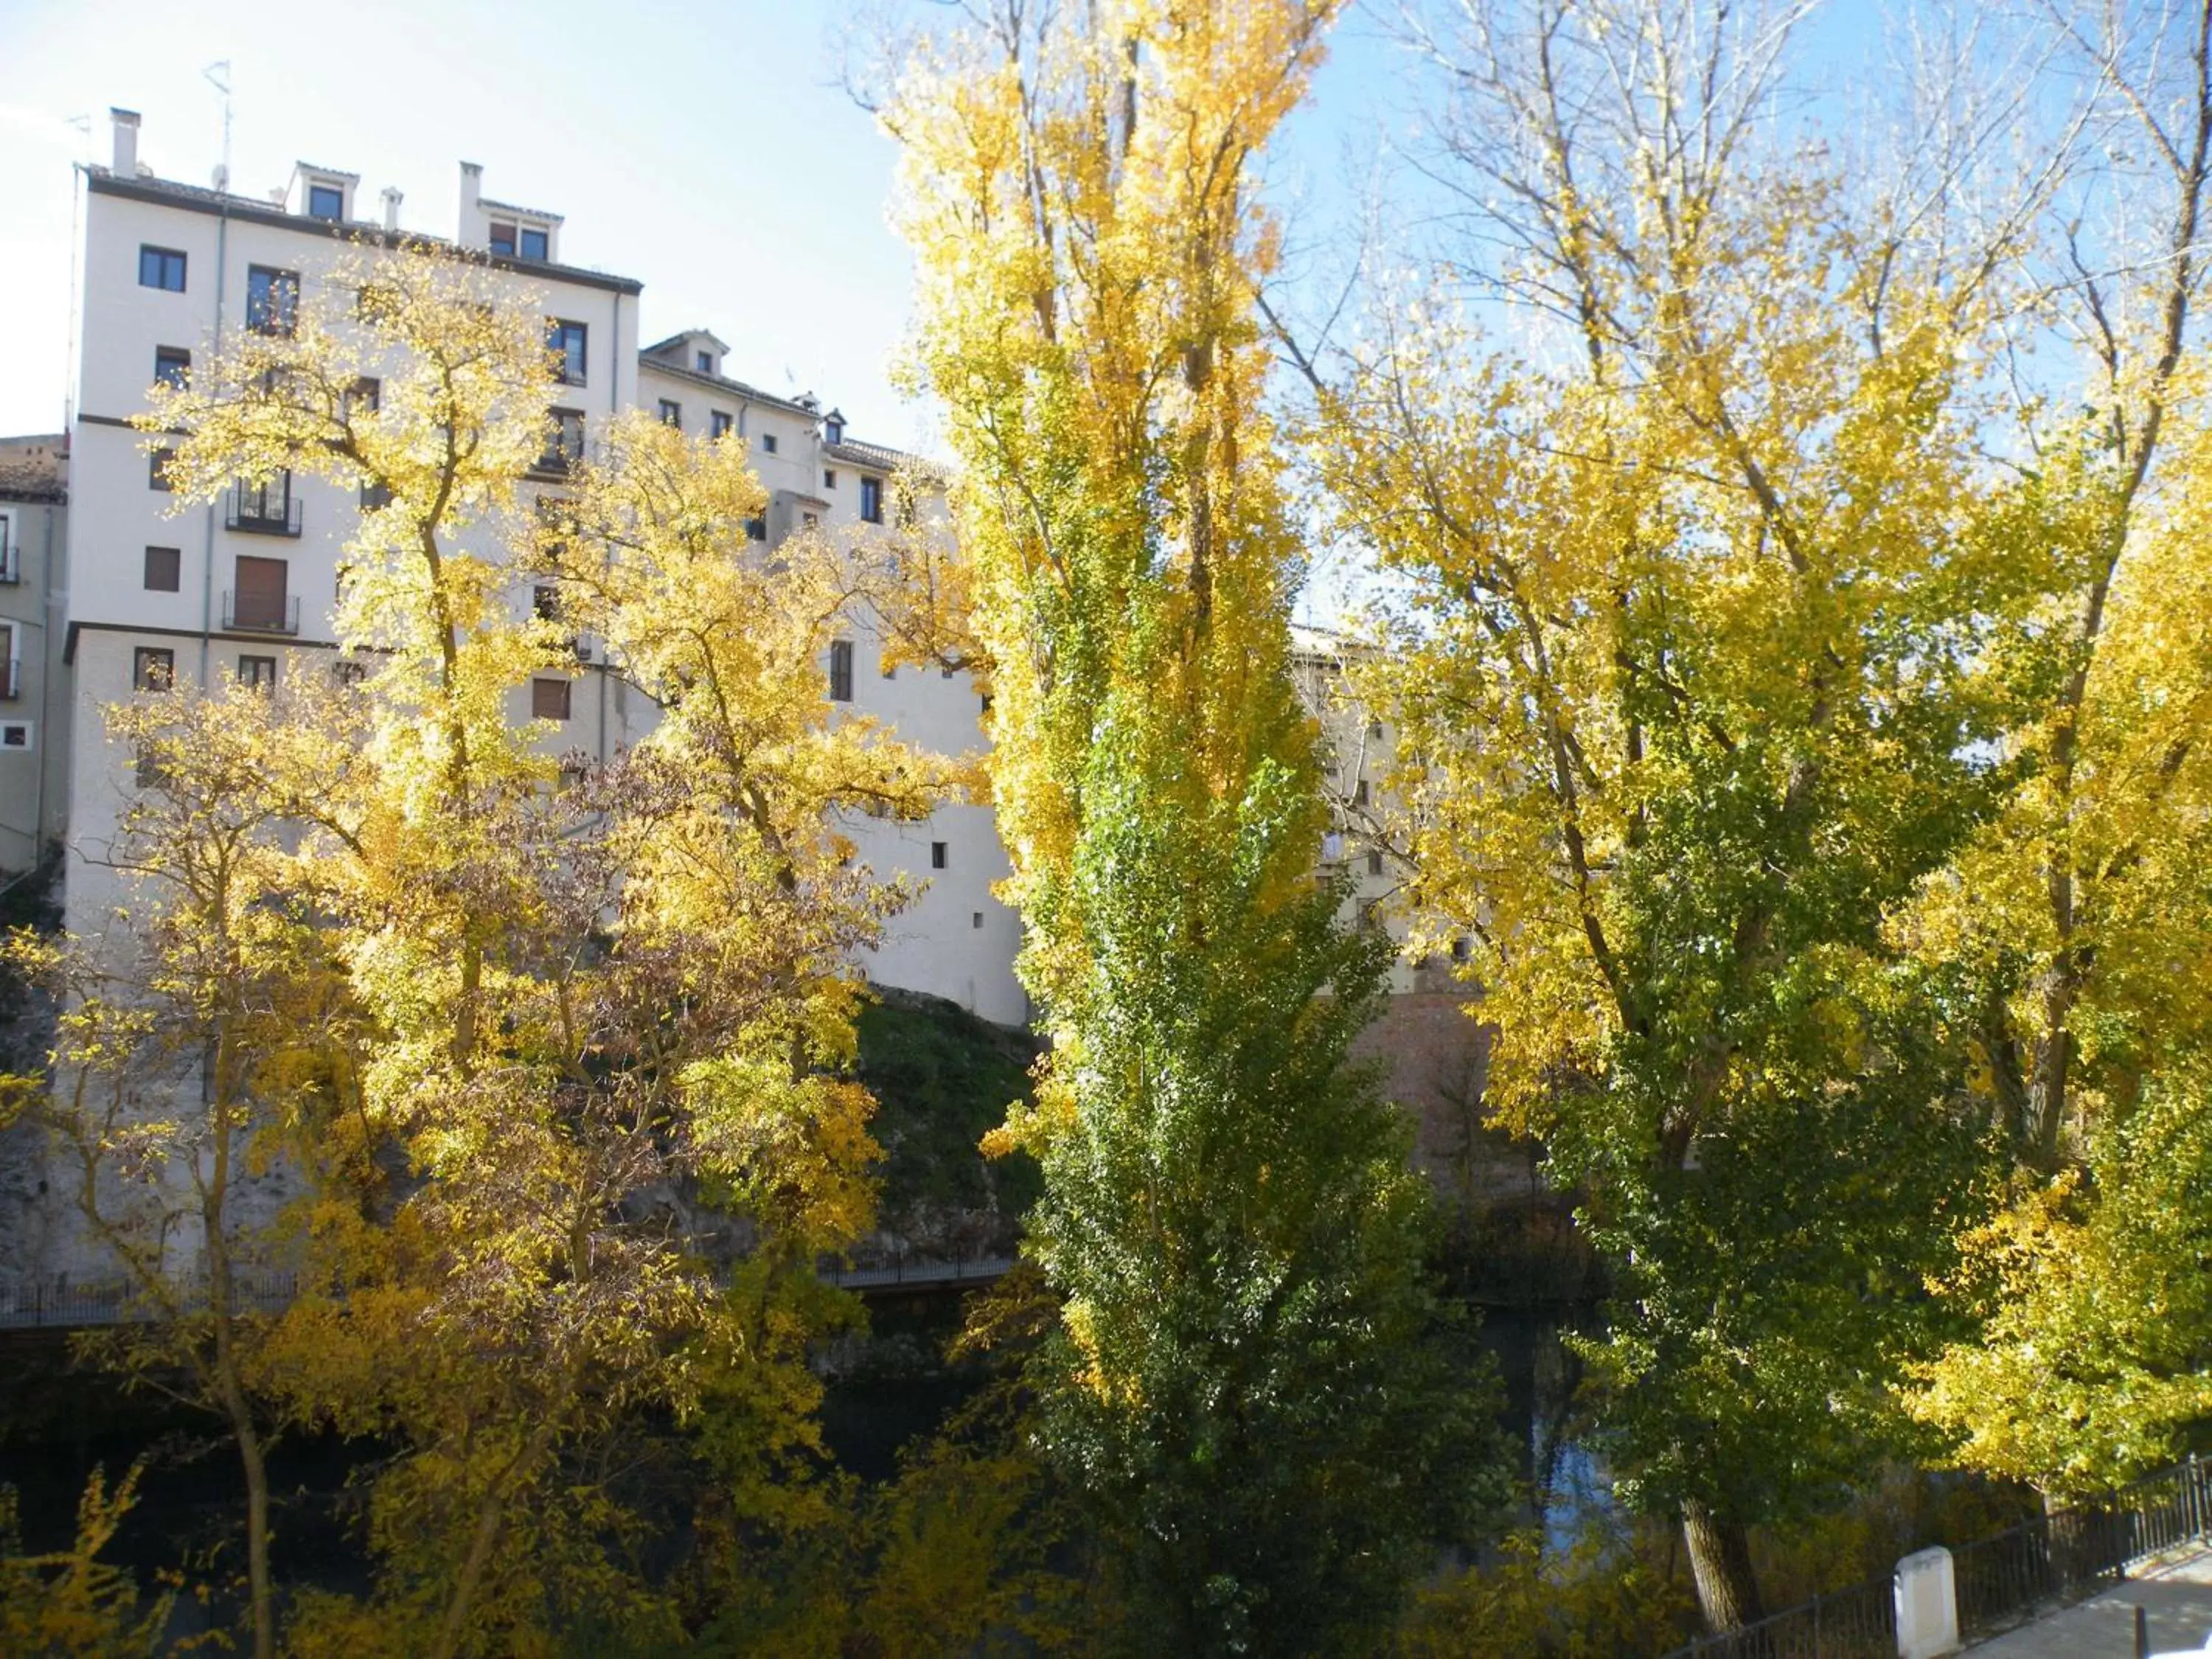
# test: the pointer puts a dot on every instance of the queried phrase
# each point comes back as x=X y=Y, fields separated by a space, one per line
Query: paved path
x=2178 y=1596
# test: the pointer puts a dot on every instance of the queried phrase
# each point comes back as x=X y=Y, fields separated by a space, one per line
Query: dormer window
x=511 y=241
x=325 y=202
x=833 y=427
x=535 y=245
x=706 y=362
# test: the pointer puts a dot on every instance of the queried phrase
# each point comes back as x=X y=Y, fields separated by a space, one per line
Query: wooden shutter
x=260 y=592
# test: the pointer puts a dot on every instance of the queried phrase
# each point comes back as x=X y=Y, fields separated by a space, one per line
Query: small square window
x=946 y=673
x=840 y=671
x=755 y=529
x=672 y=413
x=153 y=669
x=157 y=469
x=828 y=478
x=259 y=673
x=172 y=366
x=375 y=496
x=348 y=673
x=536 y=245
x=162 y=568
x=767 y=443
x=545 y=603
x=719 y=424
x=325 y=202
x=975 y=918
x=272 y=300
x=1461 y=950
x=549 y=700
x=1374 y=863
x=364 y=396
x=162 y=268
x=502 y=240
x=705 y=360
x=938 y=850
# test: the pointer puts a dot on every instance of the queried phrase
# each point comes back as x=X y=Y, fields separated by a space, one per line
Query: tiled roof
x=858 y=453
x=327 y=173
x=721 y=383
x=509 y=207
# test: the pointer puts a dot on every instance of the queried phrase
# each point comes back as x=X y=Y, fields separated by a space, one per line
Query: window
x=1359 y=792
x=272 y=300
x=565 y=340
x=262 y=601
x=1375 y=730
x=10 y=553
x=348 y=673
x=828 y=478
x=549 y=700
x=259 y=673
x=975 y=918
x=706 y=362
x=1331 y=848
x=536 y=245
x=767 y=443
x=162 y=566
x=152 y=669
x=325 y=202
x=871 y=500
x=946 y=673
x=719 y=424
x=564 y=440
x=938 y=850
x=161 y=267
x=984 y=698
x=833 y=428
x=364 y=396
x=755 y=529
x=157 y=470
x=172 y=366
x=545 y=603
x=840 y=671
x=502 y=240
x=375 y=496
x=9 y=687
x=672 y=413
x=1374 y=863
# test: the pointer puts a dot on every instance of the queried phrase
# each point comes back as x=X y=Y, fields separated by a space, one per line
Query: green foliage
x=1615 y=1593
x=943 y=1080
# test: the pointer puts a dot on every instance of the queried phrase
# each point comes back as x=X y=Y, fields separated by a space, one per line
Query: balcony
x=11 y=679
x=260 y=513
x=258 y=613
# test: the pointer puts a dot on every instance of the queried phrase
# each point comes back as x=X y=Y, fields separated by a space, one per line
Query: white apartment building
x=245 y=586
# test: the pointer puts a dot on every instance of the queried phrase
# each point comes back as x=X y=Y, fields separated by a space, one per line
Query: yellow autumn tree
x=1697 y=655
x=596 y=1135
x=1246 y=1391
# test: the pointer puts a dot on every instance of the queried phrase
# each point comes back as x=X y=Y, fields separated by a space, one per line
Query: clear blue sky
x=701 y=147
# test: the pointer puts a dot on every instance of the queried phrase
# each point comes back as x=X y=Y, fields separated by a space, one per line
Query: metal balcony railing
x=253 y=613
x=256 y=513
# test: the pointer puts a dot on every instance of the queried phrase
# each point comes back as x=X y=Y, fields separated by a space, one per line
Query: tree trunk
x=1720 y=1562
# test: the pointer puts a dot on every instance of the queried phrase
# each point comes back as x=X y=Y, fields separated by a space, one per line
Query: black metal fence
x=2076 y=1551
x=2002 y=1580
x=1859 y=1622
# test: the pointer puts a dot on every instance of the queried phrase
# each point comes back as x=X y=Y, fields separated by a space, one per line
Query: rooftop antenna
x=217 y=75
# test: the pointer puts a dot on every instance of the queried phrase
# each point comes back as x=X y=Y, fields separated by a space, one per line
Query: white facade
x=168 y=270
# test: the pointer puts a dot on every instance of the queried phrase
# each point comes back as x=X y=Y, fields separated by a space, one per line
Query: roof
x=689 y=334
x=721 y=383
x=326 y=173
x=194 y=198
x=858 y=453
x=522 y=212
x=31 y=467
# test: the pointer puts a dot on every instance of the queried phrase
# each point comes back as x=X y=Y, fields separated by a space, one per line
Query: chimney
x=126 y=142
x=471 y=189
x=391 y=199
